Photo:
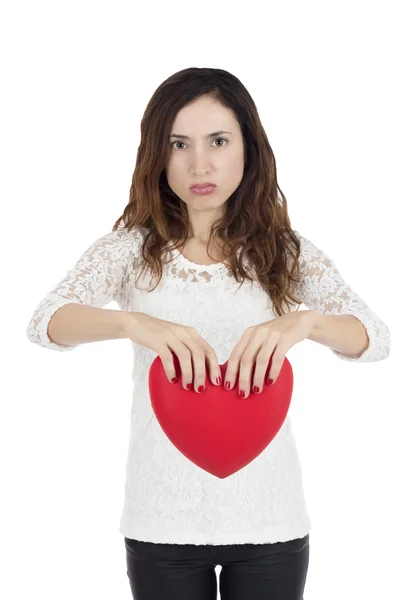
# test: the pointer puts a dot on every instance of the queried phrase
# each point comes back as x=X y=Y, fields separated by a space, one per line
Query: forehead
x=203 y=117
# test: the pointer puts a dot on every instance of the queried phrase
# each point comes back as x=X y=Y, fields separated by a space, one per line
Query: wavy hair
x=256 y=221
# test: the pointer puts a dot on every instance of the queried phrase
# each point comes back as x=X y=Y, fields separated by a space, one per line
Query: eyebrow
x=209 y=135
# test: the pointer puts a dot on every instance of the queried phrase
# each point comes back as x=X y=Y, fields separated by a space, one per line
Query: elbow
x=38 y=330
x=380 y=347
x=386 y=340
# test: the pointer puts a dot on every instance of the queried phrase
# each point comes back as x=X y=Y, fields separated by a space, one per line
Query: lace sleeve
x=323 y=289
x=96 y=279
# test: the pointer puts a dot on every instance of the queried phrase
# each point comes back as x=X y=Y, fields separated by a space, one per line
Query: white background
x=78 y=76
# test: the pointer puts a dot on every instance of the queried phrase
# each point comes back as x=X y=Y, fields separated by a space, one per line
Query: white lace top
x=168 y=499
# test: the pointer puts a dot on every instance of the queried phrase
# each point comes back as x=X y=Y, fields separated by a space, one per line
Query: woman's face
x=199 y=159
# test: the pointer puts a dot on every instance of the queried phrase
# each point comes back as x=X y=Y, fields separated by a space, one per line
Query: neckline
x=211 y=267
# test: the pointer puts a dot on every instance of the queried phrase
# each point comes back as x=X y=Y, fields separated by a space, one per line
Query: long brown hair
x=256 y=218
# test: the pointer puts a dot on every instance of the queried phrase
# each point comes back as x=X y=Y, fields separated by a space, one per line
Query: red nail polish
x=189 y=386
x=219 y=380
x=174 y=380
x=227 y=385
x=269 y=381
x=242 y=394
x=256 y=389
x=201 y=388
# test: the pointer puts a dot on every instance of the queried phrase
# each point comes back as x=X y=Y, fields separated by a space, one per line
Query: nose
x=200 y=163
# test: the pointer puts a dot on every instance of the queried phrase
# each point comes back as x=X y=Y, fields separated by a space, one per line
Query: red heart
x=217 y=430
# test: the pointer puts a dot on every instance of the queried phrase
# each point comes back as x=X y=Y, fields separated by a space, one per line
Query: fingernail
x=256 y=389
x=174 y=380
x=189 y=386
x=201 y=388
x=242 y=394
x=219 y=380
x=227 y=385
x=269 y=381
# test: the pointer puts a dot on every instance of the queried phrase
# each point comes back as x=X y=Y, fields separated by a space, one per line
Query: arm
x=95 y=280
x=74 y=324
x=351 y=330
x=343 y=333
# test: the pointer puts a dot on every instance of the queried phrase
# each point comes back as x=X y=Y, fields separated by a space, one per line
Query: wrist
x=128 y=318
x=316 y=321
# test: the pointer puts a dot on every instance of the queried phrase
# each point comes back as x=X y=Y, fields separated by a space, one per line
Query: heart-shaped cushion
x=218 y=430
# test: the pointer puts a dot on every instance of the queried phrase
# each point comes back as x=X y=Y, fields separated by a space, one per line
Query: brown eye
x=176 y=143
x=215 y=139
x=223 y=139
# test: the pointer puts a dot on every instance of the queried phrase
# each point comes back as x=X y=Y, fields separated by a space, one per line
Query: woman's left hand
x=261 y=342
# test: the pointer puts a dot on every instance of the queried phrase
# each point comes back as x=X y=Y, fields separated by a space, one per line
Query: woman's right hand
x=165 y=337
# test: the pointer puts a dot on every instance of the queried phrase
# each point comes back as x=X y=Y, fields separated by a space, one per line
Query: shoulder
x=130 y=239
x=299 y=236
x=307 y=247
x=308 y=255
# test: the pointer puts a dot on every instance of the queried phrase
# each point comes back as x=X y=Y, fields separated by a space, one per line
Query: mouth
x=202 y=186
x=202 y=190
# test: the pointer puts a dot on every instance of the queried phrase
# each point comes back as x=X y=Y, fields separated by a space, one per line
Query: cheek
x=174 y=170
x=234 y=170
x=173 y=174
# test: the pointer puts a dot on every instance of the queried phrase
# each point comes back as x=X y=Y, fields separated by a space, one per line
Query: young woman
x=209 y=275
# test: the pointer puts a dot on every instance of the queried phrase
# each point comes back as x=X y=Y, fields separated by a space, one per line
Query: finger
x=234 y=361
x=167 y=360
x=263 y=362
x=213 y=364
x=278 y=359
x=191 y=352
x=247 y=361
x=211 y=359
x=199 y=363
x=184 y=356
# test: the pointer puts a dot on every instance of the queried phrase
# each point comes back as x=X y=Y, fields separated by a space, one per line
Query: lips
x=202 y=185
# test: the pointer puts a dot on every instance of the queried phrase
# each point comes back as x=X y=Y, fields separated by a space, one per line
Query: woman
x=179 y=522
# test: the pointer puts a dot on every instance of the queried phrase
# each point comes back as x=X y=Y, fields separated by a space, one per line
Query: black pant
x=187 y=572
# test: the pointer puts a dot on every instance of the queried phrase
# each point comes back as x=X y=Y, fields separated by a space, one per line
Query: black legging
x=187 y=572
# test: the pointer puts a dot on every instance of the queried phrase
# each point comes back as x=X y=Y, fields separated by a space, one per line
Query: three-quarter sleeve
x=323 y=289
x=96 y=279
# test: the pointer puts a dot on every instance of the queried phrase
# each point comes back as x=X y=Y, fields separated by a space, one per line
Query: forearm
x=81 y=323
x=343 y=333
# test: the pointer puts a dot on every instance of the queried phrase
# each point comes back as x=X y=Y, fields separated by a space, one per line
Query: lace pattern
x=168 y=499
